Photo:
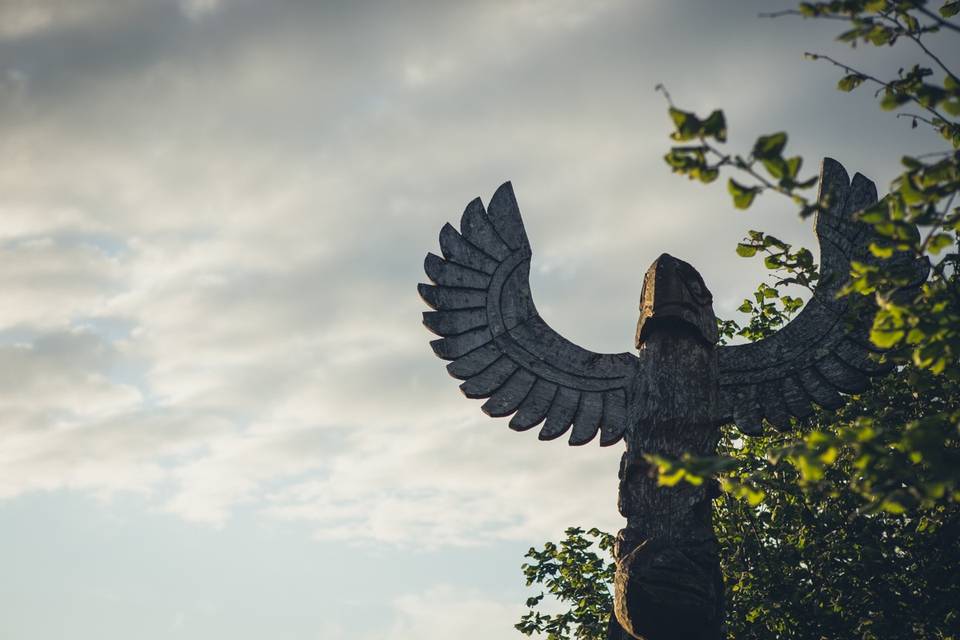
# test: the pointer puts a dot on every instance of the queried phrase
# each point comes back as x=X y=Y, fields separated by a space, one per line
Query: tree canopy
x=849 y=525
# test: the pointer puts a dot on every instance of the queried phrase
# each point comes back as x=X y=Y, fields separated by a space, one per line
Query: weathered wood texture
x=668 y=582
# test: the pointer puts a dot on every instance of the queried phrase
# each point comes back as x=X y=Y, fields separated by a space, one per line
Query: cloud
x=21 y=18
x=443 y=612
x=71 y=420
x=197 y=9
x=452 y=483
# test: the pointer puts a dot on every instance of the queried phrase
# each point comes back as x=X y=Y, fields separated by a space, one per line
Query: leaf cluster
x=578 y=570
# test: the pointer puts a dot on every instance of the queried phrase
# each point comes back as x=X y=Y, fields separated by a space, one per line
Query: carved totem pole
x=669 y=399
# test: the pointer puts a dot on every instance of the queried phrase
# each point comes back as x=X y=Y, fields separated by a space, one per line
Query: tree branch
x=794 y=12
x=940 y=21
x=886 y=85
x=913 y=36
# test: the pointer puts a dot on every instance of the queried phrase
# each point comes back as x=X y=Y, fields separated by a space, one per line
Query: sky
x=219 y=413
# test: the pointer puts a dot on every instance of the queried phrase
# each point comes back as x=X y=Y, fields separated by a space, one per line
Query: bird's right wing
x=501 y=347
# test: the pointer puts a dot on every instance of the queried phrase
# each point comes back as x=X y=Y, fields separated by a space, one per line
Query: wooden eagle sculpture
x=669 y=398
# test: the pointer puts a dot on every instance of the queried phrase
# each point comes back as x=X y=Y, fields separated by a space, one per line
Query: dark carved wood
x=668 y=582
x=669 y=400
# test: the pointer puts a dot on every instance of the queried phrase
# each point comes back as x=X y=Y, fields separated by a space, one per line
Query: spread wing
x=825 y=350
x=500 y=346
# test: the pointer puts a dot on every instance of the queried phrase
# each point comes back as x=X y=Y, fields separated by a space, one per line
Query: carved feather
x=841 y=375
x=474 y=362
x=534 y=407
x=490 y=379
x=451 y=274
x=449 y=298
x=860 y=358
x=476 y=228
x=795 y=398
x=456 y=346
x=451 y=323
x=586 y=423
x=561 y=414
x=507 y=398
x=747 y=412
x=820 y=390
x=614 y=417
x=774 y=408
x=505 y=216
x=456 y=249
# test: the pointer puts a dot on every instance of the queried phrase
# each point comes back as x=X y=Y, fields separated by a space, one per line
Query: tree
x=849 y=526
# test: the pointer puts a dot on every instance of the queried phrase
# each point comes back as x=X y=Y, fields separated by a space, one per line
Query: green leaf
x=893 y=99
x=939 y=242
x=850 y=82
x=950 y=9
x=793 y=166
x=880 y=35
x=742 y=195
x=911 y=163
x=687 y=124
x=746 y=250
x=707 y=174
x=716 y=125
x=880 y=251
x=891 y=506
x=776 y=167
x=886 y=339
x=770 y=146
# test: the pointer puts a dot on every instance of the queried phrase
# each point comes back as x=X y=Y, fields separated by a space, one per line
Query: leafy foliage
x=848 y=527
x=572 y=571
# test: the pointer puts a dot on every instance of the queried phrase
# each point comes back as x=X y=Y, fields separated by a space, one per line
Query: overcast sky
x=219 y=414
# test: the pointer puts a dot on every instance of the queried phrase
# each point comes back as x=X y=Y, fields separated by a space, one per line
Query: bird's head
x=674 y=295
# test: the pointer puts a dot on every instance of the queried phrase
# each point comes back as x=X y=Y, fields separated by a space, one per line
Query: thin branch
x=865 y=76
x=666 y=94
x=932 y=154
x=940 y=21
x=794 y=12
x=913 y=36
x=739 y=163
x=921 y=119
x=933 y=56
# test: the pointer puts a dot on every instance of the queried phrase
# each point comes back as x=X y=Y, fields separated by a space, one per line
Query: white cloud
x=443 y=612
x=197 y=9
x=20 y=18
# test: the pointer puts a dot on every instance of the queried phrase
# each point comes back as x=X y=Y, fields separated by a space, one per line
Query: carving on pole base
x=669 y=590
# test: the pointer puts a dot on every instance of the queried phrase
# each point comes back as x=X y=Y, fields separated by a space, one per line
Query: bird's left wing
x=825 y=350
x=501 y=347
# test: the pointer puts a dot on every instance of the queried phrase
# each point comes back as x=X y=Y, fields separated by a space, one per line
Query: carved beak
x=674 y=295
